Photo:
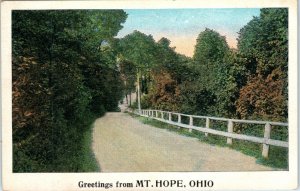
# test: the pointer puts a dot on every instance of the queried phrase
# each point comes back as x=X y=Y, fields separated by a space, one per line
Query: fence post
x=191 y=123
x=162 y=115
x=230 y=130
x=207 y=125
x=179 y=119
x=170 y=116
x=156 y=114
x=265 y=151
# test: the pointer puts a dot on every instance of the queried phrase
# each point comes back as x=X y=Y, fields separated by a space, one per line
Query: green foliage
x=266 y=38
x=263 y=98
x=164 y=92
x=263 y=51
x=209 y=93
x=158 y=66
x=166 y=76
x=64 y=74
x=210 y=47
x=139 y=49
x=250 y=82
x=128 y=75
x=278 y=156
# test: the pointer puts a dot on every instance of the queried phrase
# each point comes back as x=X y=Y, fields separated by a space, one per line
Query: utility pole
x=138 y=90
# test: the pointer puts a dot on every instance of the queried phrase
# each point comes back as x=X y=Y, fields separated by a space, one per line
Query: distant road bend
x=124 y=144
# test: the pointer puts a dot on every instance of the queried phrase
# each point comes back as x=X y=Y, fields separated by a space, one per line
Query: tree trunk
x=138 y=92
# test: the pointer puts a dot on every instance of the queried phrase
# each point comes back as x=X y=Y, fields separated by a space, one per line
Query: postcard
x=149 y=95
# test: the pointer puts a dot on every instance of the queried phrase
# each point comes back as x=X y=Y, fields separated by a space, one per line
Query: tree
x=266 y=38
x=205 y=92
x=210 y=47
x=258 y=102
x=60 y=71
x=167 y=74
x=128 y=71
x=139 y=49
x=263 y=48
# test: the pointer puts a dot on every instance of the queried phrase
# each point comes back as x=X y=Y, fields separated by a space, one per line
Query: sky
x=182 y=26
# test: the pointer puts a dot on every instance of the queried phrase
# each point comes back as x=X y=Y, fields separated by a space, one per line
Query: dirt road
x=123 y=144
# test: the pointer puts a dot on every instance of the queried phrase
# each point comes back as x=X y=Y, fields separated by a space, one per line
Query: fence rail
x=266 y=140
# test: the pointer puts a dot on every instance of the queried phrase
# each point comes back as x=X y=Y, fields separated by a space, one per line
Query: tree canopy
x=62 y=78
x=263 y=49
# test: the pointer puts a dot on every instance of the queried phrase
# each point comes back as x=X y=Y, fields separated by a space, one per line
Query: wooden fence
x=166 y=117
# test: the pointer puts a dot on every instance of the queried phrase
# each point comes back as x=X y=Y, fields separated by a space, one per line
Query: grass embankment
x=80 y=156
x=278 y=157
x=88 y=160
x=71 y=153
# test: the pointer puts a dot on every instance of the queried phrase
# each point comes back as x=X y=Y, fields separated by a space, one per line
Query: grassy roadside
x=278 y=157
x=73 y=152
x=88 y=160
x=79 y=157
x=82 y=158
